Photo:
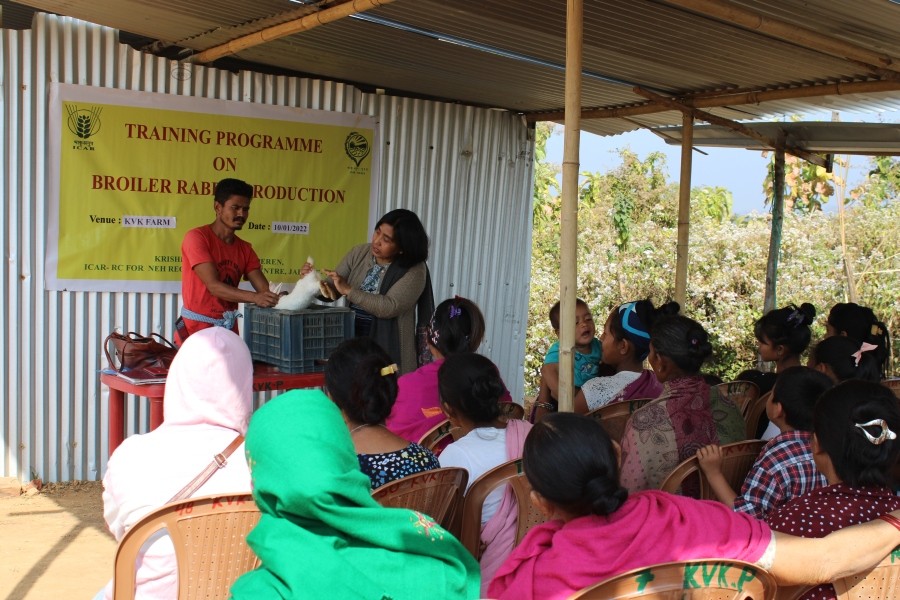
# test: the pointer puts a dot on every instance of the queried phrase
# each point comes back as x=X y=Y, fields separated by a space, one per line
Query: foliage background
x=626 y=251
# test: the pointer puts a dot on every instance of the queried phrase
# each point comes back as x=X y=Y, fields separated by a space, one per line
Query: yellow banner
x=137 y=171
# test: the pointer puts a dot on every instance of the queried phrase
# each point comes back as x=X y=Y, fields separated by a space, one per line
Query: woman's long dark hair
x=570 y=460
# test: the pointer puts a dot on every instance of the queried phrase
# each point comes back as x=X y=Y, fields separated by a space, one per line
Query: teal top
x=586 y=365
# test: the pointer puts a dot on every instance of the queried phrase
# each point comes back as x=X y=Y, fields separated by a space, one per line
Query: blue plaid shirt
x=784 y=469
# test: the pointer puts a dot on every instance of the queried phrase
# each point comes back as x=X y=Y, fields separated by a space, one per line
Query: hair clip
x=388 y=370
x=795 y=316
x=858 y=354
x=455 y=311
x=886 y=433
x=695 y=342
x=876 y=329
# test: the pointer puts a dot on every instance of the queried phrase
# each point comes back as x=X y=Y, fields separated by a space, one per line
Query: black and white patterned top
x=386 y=467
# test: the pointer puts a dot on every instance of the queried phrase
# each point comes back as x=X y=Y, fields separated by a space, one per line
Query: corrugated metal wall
x=466 y=171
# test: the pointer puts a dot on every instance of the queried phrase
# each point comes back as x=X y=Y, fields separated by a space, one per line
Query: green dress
x=321 y=535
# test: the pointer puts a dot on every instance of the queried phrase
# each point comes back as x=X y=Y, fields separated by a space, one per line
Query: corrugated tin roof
x=511 y=54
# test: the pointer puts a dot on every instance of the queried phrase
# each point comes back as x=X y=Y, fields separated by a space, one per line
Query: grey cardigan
x=398 y=303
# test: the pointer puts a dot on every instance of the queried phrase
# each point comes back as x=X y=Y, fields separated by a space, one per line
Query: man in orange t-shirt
x=213 y=261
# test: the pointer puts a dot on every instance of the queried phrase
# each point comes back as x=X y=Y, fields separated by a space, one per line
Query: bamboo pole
x=788 y=32
x=569 y=213
x=305 y=23
x=684 y=209
x=770 y=300
x=729 y=99
x=848 y=263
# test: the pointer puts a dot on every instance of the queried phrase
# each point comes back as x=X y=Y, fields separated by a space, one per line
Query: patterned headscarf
x=321 y=535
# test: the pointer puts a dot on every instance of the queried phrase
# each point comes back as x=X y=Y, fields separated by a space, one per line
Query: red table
x=265 y=378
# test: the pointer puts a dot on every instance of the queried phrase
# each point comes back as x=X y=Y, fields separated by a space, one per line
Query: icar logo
x=83 y=123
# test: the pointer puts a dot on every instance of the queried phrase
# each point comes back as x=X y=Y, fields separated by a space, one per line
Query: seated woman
x=688 y=415
x=855 y=445
x=598 y=531
x=456 y=326
x=471 y=389
x=362 y=381
x=321 y=535
x=626 y=343
x=860 y=324
x=208 y=402
x=842 y=358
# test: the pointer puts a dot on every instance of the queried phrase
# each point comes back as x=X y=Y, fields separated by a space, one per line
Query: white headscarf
x=208 y=401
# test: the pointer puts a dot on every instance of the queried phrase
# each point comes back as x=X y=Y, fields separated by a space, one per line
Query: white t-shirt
x=600 y=391
x=478 y=452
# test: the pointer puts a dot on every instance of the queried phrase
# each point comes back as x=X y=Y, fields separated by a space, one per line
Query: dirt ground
x=55 y=544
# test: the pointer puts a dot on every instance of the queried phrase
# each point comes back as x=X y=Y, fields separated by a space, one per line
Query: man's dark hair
x=227 y=188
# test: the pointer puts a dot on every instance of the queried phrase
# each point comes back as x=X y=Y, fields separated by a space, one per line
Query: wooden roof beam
x=735 y=126
x=729 y=99
x=744 y=18
x=322 y=17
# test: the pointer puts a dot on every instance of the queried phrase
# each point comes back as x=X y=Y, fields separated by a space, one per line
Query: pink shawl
x=499 y=533
x=418 y=405
x=557 y=559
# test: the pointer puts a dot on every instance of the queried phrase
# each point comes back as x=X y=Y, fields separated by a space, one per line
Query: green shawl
x=321 y=535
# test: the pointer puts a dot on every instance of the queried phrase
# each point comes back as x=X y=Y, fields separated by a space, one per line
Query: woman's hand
x=710 y=459
x=340 y=284
x=307 y=267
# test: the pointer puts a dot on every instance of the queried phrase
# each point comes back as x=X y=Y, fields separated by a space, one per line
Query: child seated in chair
x=785 y=467
x=855 y=445
x=587 y=357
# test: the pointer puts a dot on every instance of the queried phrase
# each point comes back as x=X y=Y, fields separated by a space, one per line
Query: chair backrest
x=739 y=392
x=511 y=410
x=737 y=460
x=614 y=416
x=711 y=579
x=879 y=583
x=433 y=437
x=753 y=414
x=208 y=534
x=509 y=472
x=437 y=493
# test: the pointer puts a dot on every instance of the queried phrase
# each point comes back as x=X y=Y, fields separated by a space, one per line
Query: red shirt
x=823 y=510
x=232 y=261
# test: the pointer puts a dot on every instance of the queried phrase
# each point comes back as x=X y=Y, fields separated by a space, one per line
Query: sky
x=740 y=171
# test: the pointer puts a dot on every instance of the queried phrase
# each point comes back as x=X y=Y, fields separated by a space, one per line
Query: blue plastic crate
x=294 y=340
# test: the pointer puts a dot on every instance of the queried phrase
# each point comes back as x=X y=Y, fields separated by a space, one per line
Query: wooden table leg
x=116 y=418
x=156 y=412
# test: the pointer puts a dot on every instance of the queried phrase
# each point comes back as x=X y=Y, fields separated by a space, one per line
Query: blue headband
x=628 y=309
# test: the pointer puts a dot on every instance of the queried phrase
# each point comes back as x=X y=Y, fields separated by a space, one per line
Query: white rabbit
x=303 y=293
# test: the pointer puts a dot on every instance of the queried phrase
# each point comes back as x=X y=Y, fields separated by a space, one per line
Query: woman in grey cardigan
x=388 y=286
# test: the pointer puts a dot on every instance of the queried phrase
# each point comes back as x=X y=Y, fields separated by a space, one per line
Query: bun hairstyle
x=840 y=354
x=681 y=340
x=457 y=325
x=632 y=321
x=409 y=235
x=860 y=323
x=842 y=415
x=471 y=385
x=570 y=460
x=788 y=327
x=354 y=380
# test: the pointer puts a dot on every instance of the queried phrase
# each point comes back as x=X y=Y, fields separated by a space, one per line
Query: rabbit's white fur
x=303 y=293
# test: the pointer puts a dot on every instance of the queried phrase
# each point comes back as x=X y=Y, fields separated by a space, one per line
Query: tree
x=882 y=184
x=546 y=206
x=713 y=202
x=806 y=186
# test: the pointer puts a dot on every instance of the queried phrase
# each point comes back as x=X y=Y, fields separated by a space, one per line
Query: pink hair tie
x=864 y=348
